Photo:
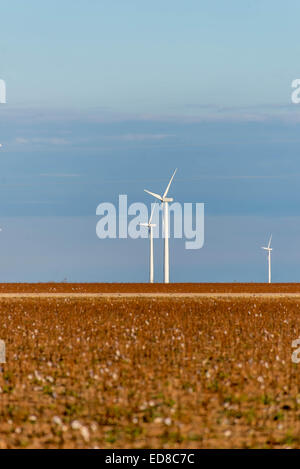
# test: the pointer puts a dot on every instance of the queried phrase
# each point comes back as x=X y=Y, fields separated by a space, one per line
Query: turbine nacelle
x=147 y=224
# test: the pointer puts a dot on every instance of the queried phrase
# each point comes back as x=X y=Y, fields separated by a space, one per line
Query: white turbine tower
x=269 y=249
x=150 y=227
x=165 y=201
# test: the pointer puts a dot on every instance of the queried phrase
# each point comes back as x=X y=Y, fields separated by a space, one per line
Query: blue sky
x=149 y=57
x=108 y=97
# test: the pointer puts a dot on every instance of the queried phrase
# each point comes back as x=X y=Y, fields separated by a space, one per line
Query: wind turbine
x=269 y=249
x=150 y=227
x=165 y=201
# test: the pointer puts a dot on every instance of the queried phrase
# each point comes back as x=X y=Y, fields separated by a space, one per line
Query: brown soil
x=149 y=372
x=150 y=288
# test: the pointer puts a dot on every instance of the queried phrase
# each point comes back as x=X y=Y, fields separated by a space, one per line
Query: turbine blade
x=159 y=197
x=153 y=208
x=168 y=186
x=270 y=241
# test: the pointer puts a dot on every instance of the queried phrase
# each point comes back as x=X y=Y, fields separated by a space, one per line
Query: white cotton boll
x=76 y=425
x=57 y=420
x=84 y=431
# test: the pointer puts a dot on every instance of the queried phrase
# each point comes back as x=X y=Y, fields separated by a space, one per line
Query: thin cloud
x=42 y=141
x=139 y=137
x=285 y=113
x=59 y=175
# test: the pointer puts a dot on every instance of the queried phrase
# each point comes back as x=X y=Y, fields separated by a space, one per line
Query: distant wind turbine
x=165 y=201
x=269 y=249
x=150 y=227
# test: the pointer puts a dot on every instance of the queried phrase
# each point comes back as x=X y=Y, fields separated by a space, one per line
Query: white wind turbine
x=150 y=227
x=165 y=201
x=269 y=249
